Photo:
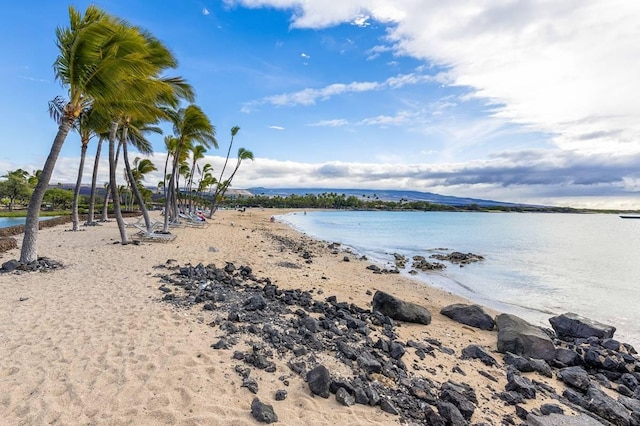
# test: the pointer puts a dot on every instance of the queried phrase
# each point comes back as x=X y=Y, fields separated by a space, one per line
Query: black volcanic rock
x=319 y=381
x=263 y=412
x=478 y=352
x=521 y=338
x=471 y=315
x=400 y=310
x=575 y=377
x=570 y=326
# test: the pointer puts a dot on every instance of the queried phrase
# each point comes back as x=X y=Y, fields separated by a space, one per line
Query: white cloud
x=330 y=123
x=361 y=21
x=568 y=69
x=304 y=55
x=534 y=176
x=398 y=119
x=205 y=11
x=311 y=96
x=276 y=127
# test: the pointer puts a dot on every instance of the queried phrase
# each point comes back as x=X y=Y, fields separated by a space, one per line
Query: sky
x=529 y=101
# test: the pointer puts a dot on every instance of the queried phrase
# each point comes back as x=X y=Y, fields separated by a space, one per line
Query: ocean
x=536 y=265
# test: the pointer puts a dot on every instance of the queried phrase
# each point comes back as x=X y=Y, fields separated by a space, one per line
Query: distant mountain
x=368 y=194
x=384 y=195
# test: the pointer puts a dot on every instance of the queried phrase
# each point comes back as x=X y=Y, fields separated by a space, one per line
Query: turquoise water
x=11 y=221
x=536 y=265
x=5 y=222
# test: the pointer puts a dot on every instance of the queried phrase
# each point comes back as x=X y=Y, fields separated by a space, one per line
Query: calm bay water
x=11 y=221
x=536 y=265
x=5 y=222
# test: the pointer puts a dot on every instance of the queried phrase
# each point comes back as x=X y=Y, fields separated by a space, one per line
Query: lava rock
x=319 y=381
x=263 y=412
x=521 y=338
x=471 y=315
x=478 y=352
x=344 y=397
x=522 y=385
x=570 y=326
x=400 y=310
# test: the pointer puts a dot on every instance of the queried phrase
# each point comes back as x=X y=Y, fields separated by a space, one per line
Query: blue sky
x=523 y=101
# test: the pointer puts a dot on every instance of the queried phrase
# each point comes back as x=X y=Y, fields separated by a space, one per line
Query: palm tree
x=234 y=132
x=206 y=177
x=243 y=154
x=190 y=125
x=170 y=143
x=94 y=180
x=197 y=153
x=132 y=134
x=89 y=124
x=145 y=98
x=96 y=53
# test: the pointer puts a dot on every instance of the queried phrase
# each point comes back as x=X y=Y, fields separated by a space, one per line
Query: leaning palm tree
x=94 y=180
x=234 y=132
x=170 y=143
x=145 y=99
x=243 y=154
x=135 y=135
x=89 y=124
x=96 y=54
x=190 y=125
x=197 y=153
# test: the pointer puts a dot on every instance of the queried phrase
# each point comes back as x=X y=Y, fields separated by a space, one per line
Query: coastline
x=94 y=343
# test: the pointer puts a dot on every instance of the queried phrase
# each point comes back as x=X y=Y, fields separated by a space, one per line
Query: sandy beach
x=93 y=343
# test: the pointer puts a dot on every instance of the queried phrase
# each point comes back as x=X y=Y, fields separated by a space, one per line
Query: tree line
x=118 y=92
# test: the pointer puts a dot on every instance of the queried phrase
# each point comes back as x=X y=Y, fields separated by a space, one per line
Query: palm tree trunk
x=94 y=179
x=170 y=201
x=29 y=251
x=107 y=195
x=76 y=191
x=134 y=186
x=112 y=183
x=105 y=204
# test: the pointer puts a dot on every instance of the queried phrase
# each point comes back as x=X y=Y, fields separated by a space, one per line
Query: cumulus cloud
x=533 y=176
x=205 y=11
x=568 y=69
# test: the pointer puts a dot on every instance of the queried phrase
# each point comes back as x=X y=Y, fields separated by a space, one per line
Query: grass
x=23 y=213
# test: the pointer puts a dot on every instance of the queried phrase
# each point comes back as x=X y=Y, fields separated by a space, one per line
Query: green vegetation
x=118 y=90
x=332 y=200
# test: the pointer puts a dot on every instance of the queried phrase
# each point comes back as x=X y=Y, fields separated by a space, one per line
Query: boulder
x=575 y=377
x=606 y=407
x=262 y=412
x=561 y=420
x=570 y=326
x=319 y=381
x=471 y=315
x=521 y=338
x=522 y=385
x=400 y=310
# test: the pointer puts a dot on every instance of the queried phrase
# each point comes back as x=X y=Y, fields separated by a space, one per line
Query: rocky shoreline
x=596 y=376
x=255 y=322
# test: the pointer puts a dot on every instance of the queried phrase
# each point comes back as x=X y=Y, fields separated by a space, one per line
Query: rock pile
x=43 y=264
x=458 y=258
x=293 y=326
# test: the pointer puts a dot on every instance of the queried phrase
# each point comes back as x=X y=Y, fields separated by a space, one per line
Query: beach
x=94 y=343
